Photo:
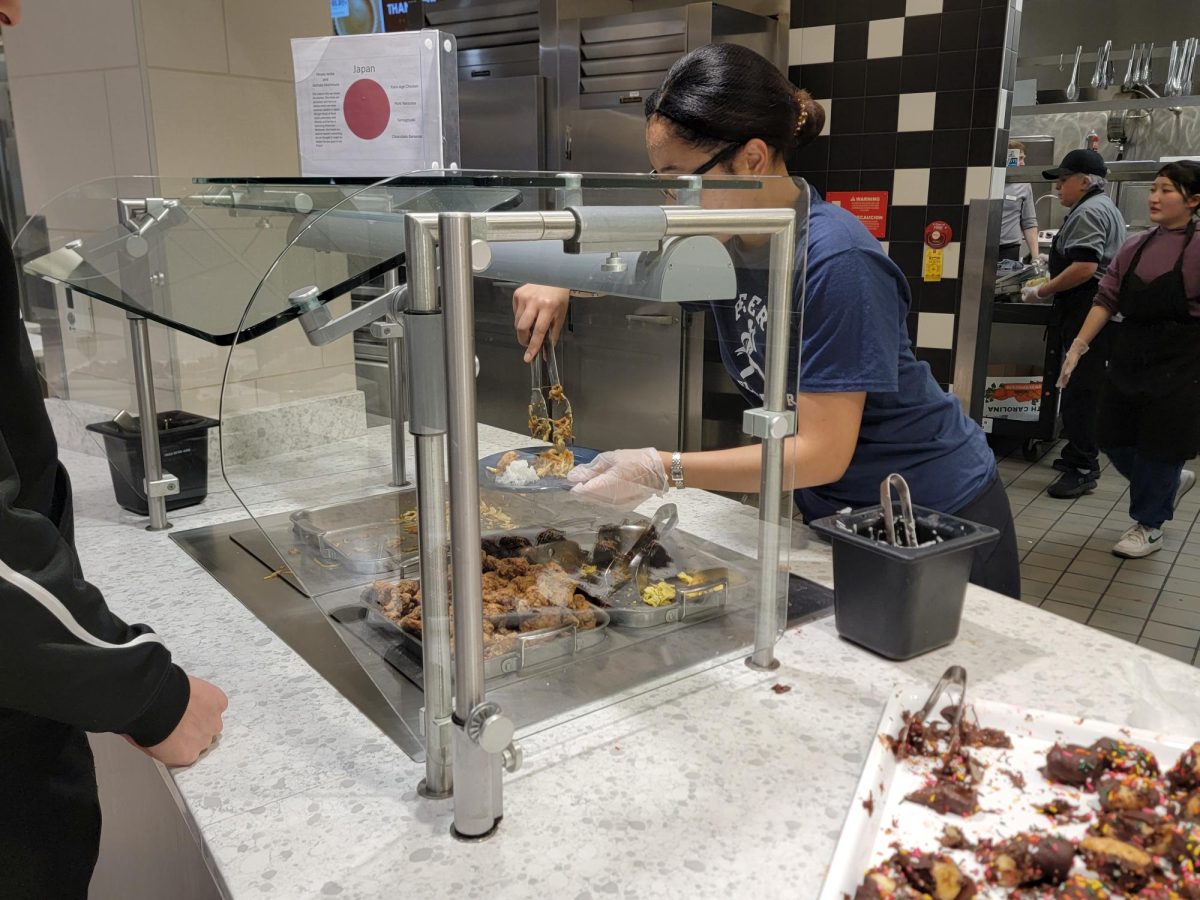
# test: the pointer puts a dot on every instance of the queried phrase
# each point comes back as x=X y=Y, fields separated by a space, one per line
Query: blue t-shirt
x=856 y=339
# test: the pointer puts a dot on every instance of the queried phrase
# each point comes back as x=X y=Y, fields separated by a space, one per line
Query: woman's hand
x=539 y=310
x=1078 y=348
x=625 y=478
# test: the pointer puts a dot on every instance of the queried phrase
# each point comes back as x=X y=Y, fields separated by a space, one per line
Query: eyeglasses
x=715 y=160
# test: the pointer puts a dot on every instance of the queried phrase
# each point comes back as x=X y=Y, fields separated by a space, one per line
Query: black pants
x=1011 y=251
x=1080 y=402
x=49 y=811
x=995 y=566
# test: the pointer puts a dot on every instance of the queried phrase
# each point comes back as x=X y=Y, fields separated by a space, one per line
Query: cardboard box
x=1015 y=397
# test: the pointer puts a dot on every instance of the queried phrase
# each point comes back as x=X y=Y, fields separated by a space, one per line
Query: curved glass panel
x=318 y=462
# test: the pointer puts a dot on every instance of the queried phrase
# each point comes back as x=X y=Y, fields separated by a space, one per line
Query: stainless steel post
x=158 y=484
x=770 y=531
x=430 y=450
x=397 y=387
x=477 y=726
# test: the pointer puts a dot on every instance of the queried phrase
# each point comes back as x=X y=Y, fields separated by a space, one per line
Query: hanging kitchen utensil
x=1169 y=87
x=1147 y=64
x=906 y=512
x=1073 y=85
x=1131 y=69
x=1186 y=80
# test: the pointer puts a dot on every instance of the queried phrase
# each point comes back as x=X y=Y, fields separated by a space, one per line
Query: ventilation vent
x=478 y=26
x=632 y=54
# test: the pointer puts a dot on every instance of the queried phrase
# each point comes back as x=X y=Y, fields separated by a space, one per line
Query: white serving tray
x=879 y=815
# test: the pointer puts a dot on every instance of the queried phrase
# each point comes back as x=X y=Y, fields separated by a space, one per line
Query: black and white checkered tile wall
x=916 y=94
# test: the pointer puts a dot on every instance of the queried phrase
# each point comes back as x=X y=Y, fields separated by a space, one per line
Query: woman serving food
x=865 y=407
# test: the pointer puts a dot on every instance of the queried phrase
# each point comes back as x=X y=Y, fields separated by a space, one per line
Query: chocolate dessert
x=1119 y=865
x=1063 y=811
x=1074 y=765
x=1081 y=887
x=1189 y=805
x=1126 y=758
x=1142 y=828
x=607 y=546
x=1185 y=774
x=913 y=874
x=1128 y=792
x=953 y=838
x=1030 y=859
x=948 y=798
x=550 y=536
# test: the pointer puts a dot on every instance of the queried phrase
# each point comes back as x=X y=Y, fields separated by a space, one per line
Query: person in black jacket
x=67 y=665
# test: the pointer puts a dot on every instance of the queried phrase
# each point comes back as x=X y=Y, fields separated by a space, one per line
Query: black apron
x=1071 y=307
x=1151 y=400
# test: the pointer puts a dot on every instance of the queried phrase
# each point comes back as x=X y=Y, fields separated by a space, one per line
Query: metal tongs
x=625 y=566
x=906 y=512
x=953 y=676
x=539 y=416
x=560 y=406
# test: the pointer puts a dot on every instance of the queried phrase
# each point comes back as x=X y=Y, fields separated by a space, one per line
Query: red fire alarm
x=938 y=234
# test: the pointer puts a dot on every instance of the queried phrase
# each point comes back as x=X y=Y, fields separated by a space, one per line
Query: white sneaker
x=1138 y=541
x=1187 y=480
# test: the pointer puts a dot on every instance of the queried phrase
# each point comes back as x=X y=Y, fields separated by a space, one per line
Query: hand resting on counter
x=200 y=726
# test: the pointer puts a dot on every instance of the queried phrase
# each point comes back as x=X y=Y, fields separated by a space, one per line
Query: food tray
x=355 y=533
x=373 y=549
x=531 y=648
x=625 y=608
x=879 y=815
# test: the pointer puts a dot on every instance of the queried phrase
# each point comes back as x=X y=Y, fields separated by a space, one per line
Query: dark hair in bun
x=728 y=94
x=1185 y=175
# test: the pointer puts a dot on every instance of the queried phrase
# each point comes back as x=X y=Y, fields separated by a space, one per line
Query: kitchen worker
x=67 y=665
x=1085 y=244
x=1150 y=405
x=865 y=406
x=1018 y=218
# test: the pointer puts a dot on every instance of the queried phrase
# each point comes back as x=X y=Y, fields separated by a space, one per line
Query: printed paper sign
x=869 y=207
x=933 y=264
x=360 y=107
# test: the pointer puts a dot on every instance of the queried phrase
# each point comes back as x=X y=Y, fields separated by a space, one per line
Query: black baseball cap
x=1078 y=162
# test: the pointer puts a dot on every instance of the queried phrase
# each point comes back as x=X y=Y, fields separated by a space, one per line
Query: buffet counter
x=712 y=784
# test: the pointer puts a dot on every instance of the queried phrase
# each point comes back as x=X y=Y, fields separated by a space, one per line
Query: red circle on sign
x=938 y=234
x=366 y=108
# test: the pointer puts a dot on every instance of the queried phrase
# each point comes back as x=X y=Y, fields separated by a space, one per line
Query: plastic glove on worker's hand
x=624 y=478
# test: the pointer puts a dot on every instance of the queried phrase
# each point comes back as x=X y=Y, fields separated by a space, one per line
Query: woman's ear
x=754 y=158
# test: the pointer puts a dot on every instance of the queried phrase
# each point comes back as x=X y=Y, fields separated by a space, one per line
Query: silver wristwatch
x=677 y=470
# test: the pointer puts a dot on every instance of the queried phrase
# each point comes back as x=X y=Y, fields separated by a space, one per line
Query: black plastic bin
x=900 y=601
x=183 y=447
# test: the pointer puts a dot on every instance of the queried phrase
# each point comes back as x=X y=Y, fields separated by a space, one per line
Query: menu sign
x=369 y=104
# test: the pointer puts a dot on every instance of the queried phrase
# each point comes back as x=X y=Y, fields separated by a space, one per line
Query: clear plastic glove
x=625 y=478
x=1030 y=294
x=539 y=310
x=1078 y=348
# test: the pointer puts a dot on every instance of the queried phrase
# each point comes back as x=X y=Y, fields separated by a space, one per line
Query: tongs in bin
x=953 y=676
x=906 y=512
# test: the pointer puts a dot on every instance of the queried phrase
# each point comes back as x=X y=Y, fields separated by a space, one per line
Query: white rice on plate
x=517 y=473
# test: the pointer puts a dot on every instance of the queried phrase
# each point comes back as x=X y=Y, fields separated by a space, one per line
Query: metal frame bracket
x=762 y=423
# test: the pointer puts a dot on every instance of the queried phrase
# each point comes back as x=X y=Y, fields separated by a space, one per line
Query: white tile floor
x=1067 y=566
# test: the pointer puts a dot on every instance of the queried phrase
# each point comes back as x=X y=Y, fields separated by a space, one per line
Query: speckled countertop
x=712 y=785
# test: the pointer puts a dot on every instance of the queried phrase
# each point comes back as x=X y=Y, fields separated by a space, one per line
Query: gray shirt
x=1018 y=214
x=1093 y=232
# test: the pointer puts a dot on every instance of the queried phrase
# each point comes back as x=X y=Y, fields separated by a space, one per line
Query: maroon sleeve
x=1110 y=281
